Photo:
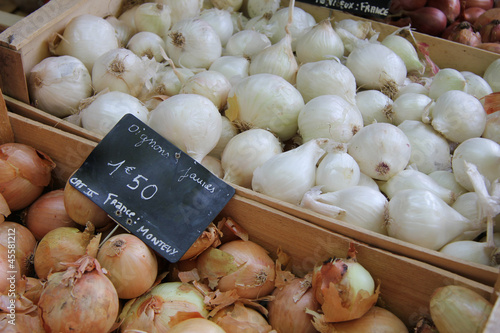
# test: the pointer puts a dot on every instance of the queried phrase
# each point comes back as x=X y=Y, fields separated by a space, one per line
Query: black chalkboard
x=151 y=188
x=375 y=8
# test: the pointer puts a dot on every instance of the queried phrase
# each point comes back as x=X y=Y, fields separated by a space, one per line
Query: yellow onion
x=344 y=288
x=237 y=318
x=164 y=306
x=459 y=309
x=80 y=299
x=377 y=319
x=46 y=213
x=238 y=265
x=24 y=322
x=24 y=174
x=197 y=325
x=19 y=238
x=4 y=209
x=131 y=264
x=287 y=311
x=209 y=237
x=9 y=271
x=60 y=246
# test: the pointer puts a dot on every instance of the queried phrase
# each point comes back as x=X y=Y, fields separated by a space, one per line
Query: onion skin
x=47 y=213
x=240 y=318
x=209 y=237
x=5 y=267
x=287 y=314
x=25 y=244
x=459 y=309
x=24 y=174
x=81 y=299
x=131 y=265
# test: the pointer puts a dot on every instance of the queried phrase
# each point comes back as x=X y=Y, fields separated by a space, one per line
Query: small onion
x=221 y=21
x=47 y=213
x=58 y=84
x=132 y=266
x=301 y=23
x=59 y=247
x=246 y=43
x=211 y=84
x=374 y=105
x=337 y=170
x=256 y=8
x=243 y=266
x=24 y=174
x=233 y=67
x=79 y=299
x=147 y=44
x=229 y=130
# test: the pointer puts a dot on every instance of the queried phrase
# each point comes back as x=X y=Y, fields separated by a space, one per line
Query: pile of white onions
x=261 y=95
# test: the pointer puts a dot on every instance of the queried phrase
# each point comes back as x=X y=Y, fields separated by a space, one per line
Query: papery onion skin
x=61 y=245
x=25 y=244
x=287 y=310
x=458 y=309
x=24 y=174
x=46 y=213
x=6 y=266
x=240 y=318
x=254 y=279
x=132 y=266
x=82 y=210
x=82 y=302
x=164 y=306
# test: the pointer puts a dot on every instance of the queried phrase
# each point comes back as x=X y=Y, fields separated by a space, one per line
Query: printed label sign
x=151 y=187
x=378 y=8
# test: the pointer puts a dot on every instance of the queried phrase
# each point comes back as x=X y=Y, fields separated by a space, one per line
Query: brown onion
x=17 y=235
x=24 y=173
x=450 y=8
x=9 y=271
x=487 y=17
x=197 y=325
x=47 y=213
x=237 y=318
x=60 y=246
x=472 y=13
x=428 y=20
x=164 y=306
x=456 y=309
x=377 y=319
x=287 y=311
x=82 y=210
x=484 y=4
x=490 y=33
x=80 y=299
x=131 y=264
x=238 y=265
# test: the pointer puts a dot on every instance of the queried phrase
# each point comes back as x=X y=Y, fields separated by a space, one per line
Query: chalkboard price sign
x=375 y=8
x=151 y=187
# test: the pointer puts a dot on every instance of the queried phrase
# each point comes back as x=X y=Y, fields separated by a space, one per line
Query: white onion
x=430 y=151
x=483 y=153
x=221 y=21
x=446 y=178
x=376 y=66
x=128 y=17
x=213 y=164
x=153 y=17
x=193 y=43
x=331 y=117
x=120 y=70
x=168 y=81
x=337 y=170
x=361 y=206
x=492 y=128
x=289 y=175
x=211 y=84
x=321 y=42
x=467 y=204
x=420 y=217
x=245 y=152
x=58 y=84
x=107 y=109
x=180 y=10
x=302 y=22
x=413 y=87
x=259 y=23
x=123 y=30
x=228 y=130
x=148 y=44
x=246 y=43
x=189 y=121
x=492 y=75
x=471 y=251
x=266 y=101
x=260 y=7
x=457 y=115
x=358 y=28
x=86 y=37
x=229 y=5
x=233 y=68
x=326 y=77
x=374 y=105
x=476 y=85
x=406 y=51
x=410 y=106
x=381 y=150
x=445 y=80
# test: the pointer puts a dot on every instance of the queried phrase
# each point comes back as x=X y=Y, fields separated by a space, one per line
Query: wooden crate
x=406 y=284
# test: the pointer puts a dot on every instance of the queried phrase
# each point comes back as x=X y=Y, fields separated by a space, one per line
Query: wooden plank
x=6 y=133
x=33 y=113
